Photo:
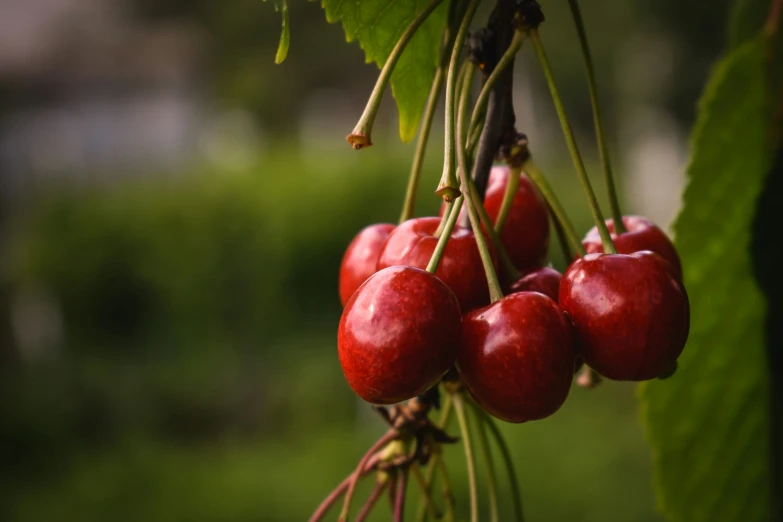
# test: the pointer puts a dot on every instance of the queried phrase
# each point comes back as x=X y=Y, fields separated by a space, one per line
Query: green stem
x=606 y=237
x=360 y=137
x=444 y=219
x=506 y=454
x=459 y=407
x=508 y=197
x=495 y=291
x=546 y=191
x=510 y=271
x=409 y=206
x=448 y=188
x=448 y=495
x=425 y=491
x=603 y=147
x=444 y=237
x=489 y=469
x=445 y=416
x=486 y=89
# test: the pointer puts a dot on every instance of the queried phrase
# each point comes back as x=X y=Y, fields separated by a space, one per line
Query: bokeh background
x=173 y=210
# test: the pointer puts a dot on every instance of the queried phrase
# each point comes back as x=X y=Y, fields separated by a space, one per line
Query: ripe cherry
x=517 y=357
x=630 y=313
x=642 y=234
x=399 y=333
x=525 y=233
x=412 y=244
x=361 y=258
x=545 y=280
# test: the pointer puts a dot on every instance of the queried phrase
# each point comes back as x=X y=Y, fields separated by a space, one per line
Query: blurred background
x=173 y=210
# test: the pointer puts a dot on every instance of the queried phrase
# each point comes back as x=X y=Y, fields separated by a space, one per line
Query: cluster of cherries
x=625 y=315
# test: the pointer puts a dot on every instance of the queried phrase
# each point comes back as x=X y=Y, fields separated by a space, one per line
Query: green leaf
x=377 y=25
x=708 y=424
x=281 y=6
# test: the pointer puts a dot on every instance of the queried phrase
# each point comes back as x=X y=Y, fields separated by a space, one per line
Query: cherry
x=630 y=313
x=525 y=234
x=517 y=357
x=642 y=234
x=399 y=333
x=412 y=244
x=545 y=280
x=361 y=258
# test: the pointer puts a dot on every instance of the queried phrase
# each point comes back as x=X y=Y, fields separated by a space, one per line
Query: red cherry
x=642 y=234
x=399 y=333
x=525 y=234
x=517 y=357
x=630 y=314
x=545 y=280
x=412 y=244
x=361 y=258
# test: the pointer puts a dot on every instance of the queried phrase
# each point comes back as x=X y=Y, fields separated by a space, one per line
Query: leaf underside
x=708 y=424
x=377 y=25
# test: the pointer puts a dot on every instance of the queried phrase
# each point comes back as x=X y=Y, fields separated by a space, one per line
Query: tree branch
x=500 y=116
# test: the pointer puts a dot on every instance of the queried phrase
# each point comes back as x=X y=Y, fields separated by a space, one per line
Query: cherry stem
x=399 y=502
x=360 y=137
x=445 y=416
x=506 y=455
x=330 y=500
x=444 y=219
x=508 y=197
x=448 y=496
x=603 y=146
x=448 y=188
x=506 y=264
x=495 y=291
x=380 y=486
x=459 y=407
x=426 y=496
x=389 y=436
x=445 y=235
x=489 y=469
x=606 y=238
x=409 y=206
x=483 y=97
x=546 y=191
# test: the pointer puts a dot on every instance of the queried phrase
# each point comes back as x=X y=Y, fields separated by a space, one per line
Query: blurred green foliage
x=197 y=378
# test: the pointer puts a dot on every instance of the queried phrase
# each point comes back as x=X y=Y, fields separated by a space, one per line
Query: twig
x=383 y=441
x=500 y=116
x=399 y=503
x=330 y=500
x=372 y=500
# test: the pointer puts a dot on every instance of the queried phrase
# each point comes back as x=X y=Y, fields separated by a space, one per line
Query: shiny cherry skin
x=630 y=313
x=545 y=280
x=525 y=233
x=399 y=333
x=412 y=244
x=517 y=357
x=361 y=258
x=642 y=234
